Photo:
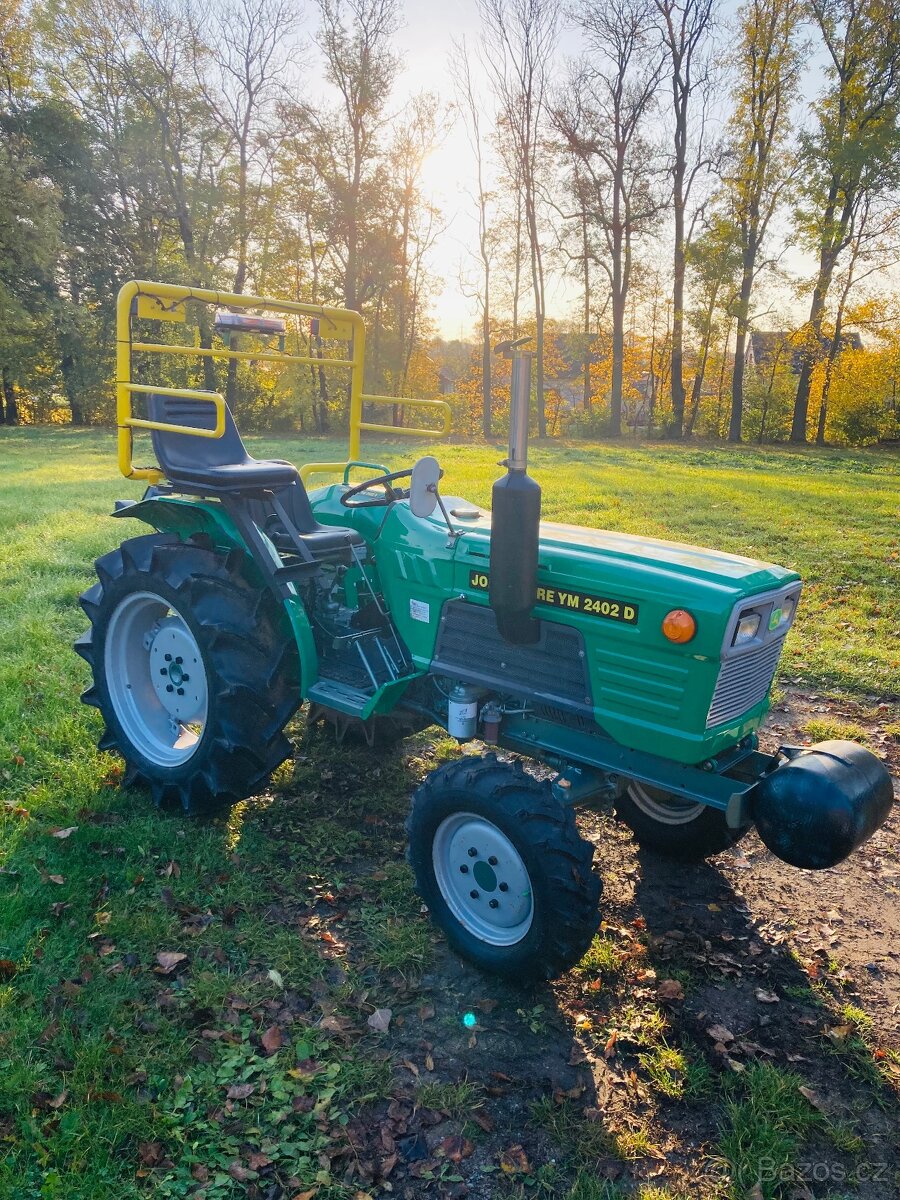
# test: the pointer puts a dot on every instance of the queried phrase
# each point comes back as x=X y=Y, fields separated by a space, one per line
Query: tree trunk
x=678 y=309
x=740 y=351
x=486 y=389
x=810 y=353
x=12 y=407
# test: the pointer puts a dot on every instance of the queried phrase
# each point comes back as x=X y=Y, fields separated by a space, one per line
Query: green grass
x=84 y=1015
x=768 y=1120
x=822 y=729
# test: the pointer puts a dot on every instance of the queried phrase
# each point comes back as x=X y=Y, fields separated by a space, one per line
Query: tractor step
x=332 y=694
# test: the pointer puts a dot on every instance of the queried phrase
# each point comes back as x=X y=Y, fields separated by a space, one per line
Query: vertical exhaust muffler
x=516 y=515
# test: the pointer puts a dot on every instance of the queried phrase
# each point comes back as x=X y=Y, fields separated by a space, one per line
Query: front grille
x=743 y=682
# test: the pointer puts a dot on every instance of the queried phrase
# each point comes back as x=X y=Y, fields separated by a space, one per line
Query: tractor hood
x=573 y=551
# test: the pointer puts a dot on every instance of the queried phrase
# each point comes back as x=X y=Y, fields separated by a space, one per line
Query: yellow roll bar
x=169 y=297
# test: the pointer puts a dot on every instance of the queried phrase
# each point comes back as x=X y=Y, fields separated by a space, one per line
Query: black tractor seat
x=220 y=464
x=270 y=491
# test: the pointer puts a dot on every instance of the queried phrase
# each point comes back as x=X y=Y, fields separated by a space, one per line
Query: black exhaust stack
x=516 y=515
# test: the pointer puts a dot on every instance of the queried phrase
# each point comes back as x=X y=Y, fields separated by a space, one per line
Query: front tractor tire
x=667 y=824
x=195 y=670
x=502 y=868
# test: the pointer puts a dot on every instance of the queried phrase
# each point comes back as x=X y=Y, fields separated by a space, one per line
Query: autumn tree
x=686 y=27
x=767 y=64
x=851 y=158
x=602 y=119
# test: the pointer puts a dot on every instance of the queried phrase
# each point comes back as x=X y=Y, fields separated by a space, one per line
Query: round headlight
x=679 y=626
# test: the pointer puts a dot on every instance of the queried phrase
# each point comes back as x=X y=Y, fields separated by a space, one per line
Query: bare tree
x=519 y=41
x=686 y=26
x=250 y=52
x=470 y=106
x=602 y=119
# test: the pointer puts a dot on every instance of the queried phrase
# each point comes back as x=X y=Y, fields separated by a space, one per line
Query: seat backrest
x=179 y=452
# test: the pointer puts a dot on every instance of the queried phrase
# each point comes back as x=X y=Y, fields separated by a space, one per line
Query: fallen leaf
x=200 y=1173
x=765 y=997
x=814 y=1098
x=426 y=1012
x=57 y=878
x=309 y=1194
x=482 y=1119
x=670 y=989
x=257 y=1160
x=241 y=1174
x=168 y=960
x=719 y=1033
x=240 y=1091
x=8 y=968
x=429 y=1062
x=271 y=1040
x=58 y=1101
x=150 y=1153
x=839 y=1033
x=380 y=1020
x=455 y=1148
x=610 y=1048
x=487 y=1006
x=276 y=978
x=64 y=833
x=756 y=1192
x=514 y=1161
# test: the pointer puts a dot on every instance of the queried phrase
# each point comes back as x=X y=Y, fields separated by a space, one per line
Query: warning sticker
x=419 y=610
x=581 y=602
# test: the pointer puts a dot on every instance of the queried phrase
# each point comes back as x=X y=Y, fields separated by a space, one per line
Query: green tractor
x=638 y=670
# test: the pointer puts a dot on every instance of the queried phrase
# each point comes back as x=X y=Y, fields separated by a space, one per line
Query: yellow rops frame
x=165 y=301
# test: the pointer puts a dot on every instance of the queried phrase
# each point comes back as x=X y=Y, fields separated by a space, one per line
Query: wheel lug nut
x=495 y=904
x=169 y=688
x=168 y=658
x=463 y=868
x=493 y=860
x=504 y=887
x=473 y=853
x=163 y=671
x=186 y=678
x=179 y=659
x=180 y=692
x=473 y=894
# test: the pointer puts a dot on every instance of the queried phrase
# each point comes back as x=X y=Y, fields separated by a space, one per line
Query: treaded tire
x=565 y=891
x=249 y=655
x=701 y=837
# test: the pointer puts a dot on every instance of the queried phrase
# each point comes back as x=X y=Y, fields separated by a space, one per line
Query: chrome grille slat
x=743 y=682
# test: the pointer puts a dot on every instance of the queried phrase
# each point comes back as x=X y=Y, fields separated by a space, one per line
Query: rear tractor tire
x=195 y=670
x=503 y=869
x=669 y=825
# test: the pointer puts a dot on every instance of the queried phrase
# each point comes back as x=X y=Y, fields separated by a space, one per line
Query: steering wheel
x=383 y=481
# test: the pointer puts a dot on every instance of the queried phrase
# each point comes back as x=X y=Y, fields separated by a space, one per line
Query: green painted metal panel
x=648 y=693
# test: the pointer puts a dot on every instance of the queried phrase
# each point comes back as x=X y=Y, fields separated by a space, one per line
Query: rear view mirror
x=423 y=486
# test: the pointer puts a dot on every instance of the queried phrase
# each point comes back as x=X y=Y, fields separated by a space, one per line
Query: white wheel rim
x=669 y=811
x=483 y=880
x=156 y=679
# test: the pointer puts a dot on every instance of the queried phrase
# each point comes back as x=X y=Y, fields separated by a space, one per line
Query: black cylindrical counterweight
x=822 y=804
x=515 y=533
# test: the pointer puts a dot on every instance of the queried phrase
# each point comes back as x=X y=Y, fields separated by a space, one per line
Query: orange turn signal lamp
x=679 y=626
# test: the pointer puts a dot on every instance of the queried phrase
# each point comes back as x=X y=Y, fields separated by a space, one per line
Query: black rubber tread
x=565 y=890
x=249 y=653
x=707 y=834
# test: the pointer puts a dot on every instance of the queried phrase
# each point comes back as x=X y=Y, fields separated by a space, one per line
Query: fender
x=170 y=514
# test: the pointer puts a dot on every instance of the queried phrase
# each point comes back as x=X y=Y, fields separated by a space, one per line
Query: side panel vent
x=554 y=669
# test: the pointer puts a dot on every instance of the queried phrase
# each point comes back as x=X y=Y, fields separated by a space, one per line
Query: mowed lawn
x=119 y=1073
